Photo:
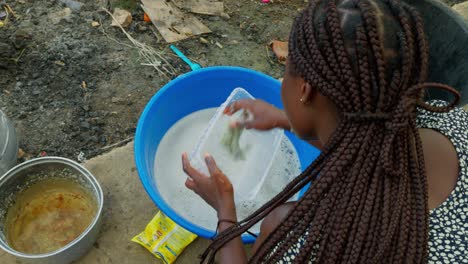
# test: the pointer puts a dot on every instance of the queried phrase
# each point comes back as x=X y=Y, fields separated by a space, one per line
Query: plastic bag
x=164 y=238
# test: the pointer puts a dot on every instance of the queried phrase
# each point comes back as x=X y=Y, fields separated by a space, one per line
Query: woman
x=390 y=185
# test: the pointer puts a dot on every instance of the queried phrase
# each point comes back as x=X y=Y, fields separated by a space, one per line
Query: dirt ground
x=71 y=89
x=44 y=61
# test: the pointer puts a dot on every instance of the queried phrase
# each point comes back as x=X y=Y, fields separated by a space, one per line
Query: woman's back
x=447 y=171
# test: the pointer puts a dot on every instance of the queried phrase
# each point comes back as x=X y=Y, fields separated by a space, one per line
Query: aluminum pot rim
x=84 y=172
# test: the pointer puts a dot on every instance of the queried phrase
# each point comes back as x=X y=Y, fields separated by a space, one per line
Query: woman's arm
x=217 y=191
x=265 y=116
x=233 y=251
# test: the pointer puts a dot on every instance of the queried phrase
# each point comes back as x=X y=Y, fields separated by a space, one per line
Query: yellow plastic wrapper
x=164 y=238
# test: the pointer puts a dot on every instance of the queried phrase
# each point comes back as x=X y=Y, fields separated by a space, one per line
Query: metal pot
x=8 y=144
x=19 y=176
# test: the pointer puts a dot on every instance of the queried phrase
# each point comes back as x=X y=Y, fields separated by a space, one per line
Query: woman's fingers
x=214 y=170
x=238 y=105
x=188 y=169
x=241 y=123
x=190 y=184
x=211 y=164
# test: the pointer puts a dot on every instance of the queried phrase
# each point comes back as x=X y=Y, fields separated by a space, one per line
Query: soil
x=70 y=89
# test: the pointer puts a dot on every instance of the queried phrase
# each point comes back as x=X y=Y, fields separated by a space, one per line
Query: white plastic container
x=247 y=174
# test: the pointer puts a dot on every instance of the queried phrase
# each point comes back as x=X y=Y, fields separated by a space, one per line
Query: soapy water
x=170 y=179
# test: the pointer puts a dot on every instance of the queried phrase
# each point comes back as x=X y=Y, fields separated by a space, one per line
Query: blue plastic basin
x=205 y=88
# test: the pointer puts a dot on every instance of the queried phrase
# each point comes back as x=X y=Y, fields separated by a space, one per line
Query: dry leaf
x=280 y=48
x=122 y=16
x=21 y=153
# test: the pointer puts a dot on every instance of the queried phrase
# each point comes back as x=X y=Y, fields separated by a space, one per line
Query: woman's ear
x=307 y=93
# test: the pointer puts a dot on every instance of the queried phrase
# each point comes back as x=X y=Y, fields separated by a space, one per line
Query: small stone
x=141 y=28
x=85 y=125
x=22 y=115
x=94 y=139
x=3 y=14
x=56 y=17
x=225 y=16
x=213 y=18
x=219 y=45
x=6 y=50
x=74 y=5
x=204 y=40
x=95 y=24
x=22 y=37
x=116 y=100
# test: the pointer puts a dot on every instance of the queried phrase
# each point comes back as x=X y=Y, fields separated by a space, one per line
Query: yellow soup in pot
x=48 y=215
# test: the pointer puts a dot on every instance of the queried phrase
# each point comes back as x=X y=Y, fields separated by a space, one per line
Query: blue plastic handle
x=193 y=66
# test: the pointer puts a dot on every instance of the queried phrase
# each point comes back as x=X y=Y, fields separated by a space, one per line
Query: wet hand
x=264 y=115
x=215 y=189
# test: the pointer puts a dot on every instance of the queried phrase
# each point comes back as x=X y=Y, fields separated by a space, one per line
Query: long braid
x=368 y=197
x=325 y=204
x=370 y=23
x=359 y=227
x=341 y=54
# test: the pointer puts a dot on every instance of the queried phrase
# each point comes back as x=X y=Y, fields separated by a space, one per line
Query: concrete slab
x=127 y=210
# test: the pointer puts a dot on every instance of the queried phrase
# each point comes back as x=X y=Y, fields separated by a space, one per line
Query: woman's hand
x=265 y=115
x=215 y=189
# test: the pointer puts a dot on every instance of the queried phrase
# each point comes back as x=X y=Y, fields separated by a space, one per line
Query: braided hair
x=368 y=198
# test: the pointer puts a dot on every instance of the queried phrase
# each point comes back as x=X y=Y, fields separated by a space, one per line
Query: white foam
x=170 y=178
